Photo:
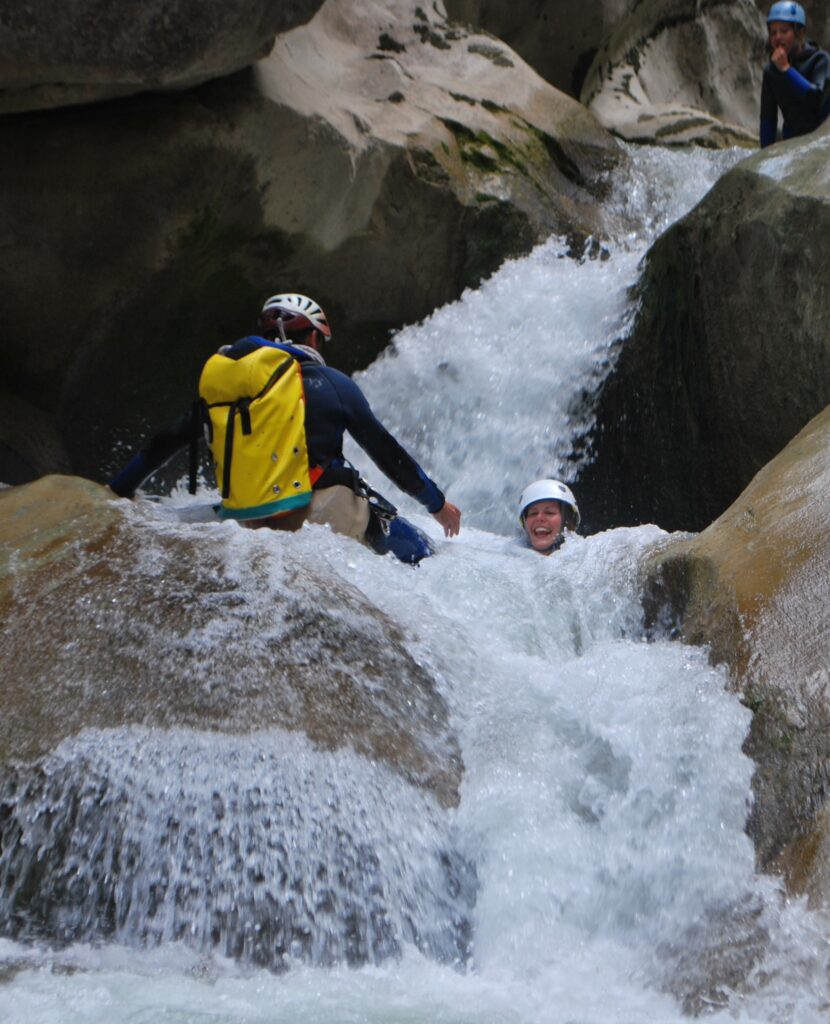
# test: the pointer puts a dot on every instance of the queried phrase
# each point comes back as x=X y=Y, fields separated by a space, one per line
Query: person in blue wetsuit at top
x=797 y=79
x=334 y=404
x=547 y=510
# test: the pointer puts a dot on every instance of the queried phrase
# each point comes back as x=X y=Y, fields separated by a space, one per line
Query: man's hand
x=449 y=516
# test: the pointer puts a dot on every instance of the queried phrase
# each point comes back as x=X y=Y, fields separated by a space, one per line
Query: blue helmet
x=786 y=10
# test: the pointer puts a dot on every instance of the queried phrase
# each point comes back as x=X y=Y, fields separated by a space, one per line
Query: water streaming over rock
x=259 y=848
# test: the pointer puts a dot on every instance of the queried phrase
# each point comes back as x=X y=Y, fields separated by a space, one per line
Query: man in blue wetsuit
x=334 y=404
x=797 y=79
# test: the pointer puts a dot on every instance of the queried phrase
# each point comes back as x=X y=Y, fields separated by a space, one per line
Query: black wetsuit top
x=802 y=93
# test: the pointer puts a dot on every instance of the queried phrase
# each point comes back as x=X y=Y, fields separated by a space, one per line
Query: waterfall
x=261 y=848
x=596 y=869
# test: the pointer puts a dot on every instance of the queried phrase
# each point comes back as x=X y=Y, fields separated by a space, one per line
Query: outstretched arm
x=161 y=448
x=392 y=458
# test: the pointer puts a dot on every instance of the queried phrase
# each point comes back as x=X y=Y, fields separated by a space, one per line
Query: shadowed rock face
x=377 y=160
x=111 y=620
x=559 y=38
x=83 y=51
x=729 y=356
x=753 y=586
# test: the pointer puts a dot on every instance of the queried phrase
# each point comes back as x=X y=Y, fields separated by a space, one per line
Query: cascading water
x=261 y=848
x=504 y=378
x=597 y=863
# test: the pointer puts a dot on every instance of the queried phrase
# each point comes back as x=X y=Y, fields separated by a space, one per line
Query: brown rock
x=753 y=586
x=109 y=620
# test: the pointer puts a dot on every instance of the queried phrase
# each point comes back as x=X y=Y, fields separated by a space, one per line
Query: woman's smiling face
x=543 y=524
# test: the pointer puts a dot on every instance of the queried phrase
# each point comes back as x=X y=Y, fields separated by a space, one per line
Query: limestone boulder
x=379 y=159
x=678 y=72
x=729 y=356
x=753 y=587
x=84 y=51
x=471 y=120
x=110 y=621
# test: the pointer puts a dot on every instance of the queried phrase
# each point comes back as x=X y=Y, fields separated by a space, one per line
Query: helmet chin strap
x=281 y=329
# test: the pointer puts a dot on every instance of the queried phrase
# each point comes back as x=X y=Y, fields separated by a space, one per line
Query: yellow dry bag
x=256 y=430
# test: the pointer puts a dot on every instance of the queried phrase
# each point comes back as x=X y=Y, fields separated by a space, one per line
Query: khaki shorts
x=338 y=507
x=341 y=509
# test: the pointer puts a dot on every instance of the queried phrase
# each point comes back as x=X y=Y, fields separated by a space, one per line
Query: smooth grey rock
x=729 y=356
x=679 y=72
x=83 y=51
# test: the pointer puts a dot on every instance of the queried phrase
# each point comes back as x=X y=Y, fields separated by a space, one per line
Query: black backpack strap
x=241 y=408
x=283 y=368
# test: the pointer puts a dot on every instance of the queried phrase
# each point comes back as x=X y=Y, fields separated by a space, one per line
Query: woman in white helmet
x=547 y=508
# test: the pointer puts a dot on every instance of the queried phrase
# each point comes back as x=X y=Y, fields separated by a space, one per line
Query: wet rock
x=110 y=620
x=715 y=958
x=204 y=740
x=753 y=587
x=728 y=358
x=260 y=847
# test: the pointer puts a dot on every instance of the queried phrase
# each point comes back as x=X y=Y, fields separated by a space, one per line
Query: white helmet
x=549 y=490
x=296 y=313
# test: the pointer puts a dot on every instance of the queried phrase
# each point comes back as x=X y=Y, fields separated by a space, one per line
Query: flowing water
x=600 y=873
